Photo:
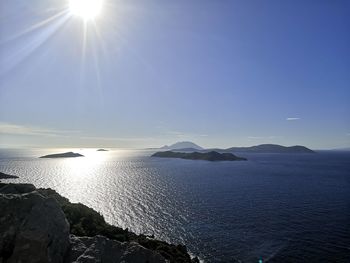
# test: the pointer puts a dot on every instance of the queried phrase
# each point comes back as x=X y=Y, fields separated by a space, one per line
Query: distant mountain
x=189 y=150
x=271 y=148
x=182 y=145
x=262 y=148
x=207 y=156
x=102 y=150
x=63 y=155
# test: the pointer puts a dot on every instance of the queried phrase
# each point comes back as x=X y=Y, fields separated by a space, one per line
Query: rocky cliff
x=39 y=225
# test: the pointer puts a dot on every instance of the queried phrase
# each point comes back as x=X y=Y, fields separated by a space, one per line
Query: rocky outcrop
x=36 y=226
x=33 y=228
x=7 y=176
x=102 y=249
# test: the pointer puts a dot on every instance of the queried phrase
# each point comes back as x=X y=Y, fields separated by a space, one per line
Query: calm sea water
x=274 y=207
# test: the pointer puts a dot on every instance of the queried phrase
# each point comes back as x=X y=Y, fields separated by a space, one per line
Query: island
x=207 y=156
x=63 y=155
x=102 y=150
x=7 y=176
x=262 y=148
x=271 y=148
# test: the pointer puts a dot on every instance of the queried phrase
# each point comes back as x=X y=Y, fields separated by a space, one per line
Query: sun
x=86 y=9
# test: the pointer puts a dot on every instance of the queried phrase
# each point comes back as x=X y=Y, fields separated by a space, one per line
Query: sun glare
x=86 y=9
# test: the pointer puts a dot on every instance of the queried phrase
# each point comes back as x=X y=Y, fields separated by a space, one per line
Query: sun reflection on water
x=83 y=166
x=81 y=175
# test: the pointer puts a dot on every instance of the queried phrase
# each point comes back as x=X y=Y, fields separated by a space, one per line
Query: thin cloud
x=180 y=134
x=116 y=139
x=176 y=133
x=271 y=137
x=293 y=119
x=255 y=137
x=16 y=129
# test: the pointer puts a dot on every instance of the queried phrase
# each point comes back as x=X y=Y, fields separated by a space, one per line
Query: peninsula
x=206 y=156
x=63 y=155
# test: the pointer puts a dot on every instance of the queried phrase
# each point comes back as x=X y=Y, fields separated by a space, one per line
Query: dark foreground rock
x=33 y=228
x=207 y=156
x=63 y=155
x=39 y=225
x=102 y=249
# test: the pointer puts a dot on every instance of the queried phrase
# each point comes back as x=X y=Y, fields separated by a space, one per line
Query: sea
x=271 y=208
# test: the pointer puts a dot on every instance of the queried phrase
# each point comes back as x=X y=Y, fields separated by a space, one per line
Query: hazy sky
x=151 y=72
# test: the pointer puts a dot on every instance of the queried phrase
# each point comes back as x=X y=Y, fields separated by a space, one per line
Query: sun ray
x=19 y=54
x=36 y=26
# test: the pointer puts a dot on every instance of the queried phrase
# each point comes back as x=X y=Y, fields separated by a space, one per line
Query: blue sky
x=147 y=73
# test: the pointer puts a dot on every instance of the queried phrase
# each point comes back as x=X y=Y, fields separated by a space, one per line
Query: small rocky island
x=102 y=150
x=207 y=156
x=7 y=176
x=63 y=155
x=39 y=225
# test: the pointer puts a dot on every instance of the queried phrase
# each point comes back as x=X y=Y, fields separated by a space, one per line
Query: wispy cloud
x=264 y=137
x=176 y=133
x=116 y=139
x=293 y=119
x=78 y=136
x=16 y=129
x=165 y=131
x=255 y=137
x=180 y=134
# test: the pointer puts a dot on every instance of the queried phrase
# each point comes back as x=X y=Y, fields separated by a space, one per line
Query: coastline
x=85 y=225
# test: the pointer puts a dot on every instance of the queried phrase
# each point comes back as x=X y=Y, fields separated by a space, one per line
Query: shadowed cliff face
x=33 y=228
x=39 y=225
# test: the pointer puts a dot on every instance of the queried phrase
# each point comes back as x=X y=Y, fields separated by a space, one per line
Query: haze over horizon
x=150 y=73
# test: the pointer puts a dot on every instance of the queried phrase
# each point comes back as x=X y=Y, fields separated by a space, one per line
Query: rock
x=7 y=176
x=17 y=188
x=33 y=228
x=102 y=249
